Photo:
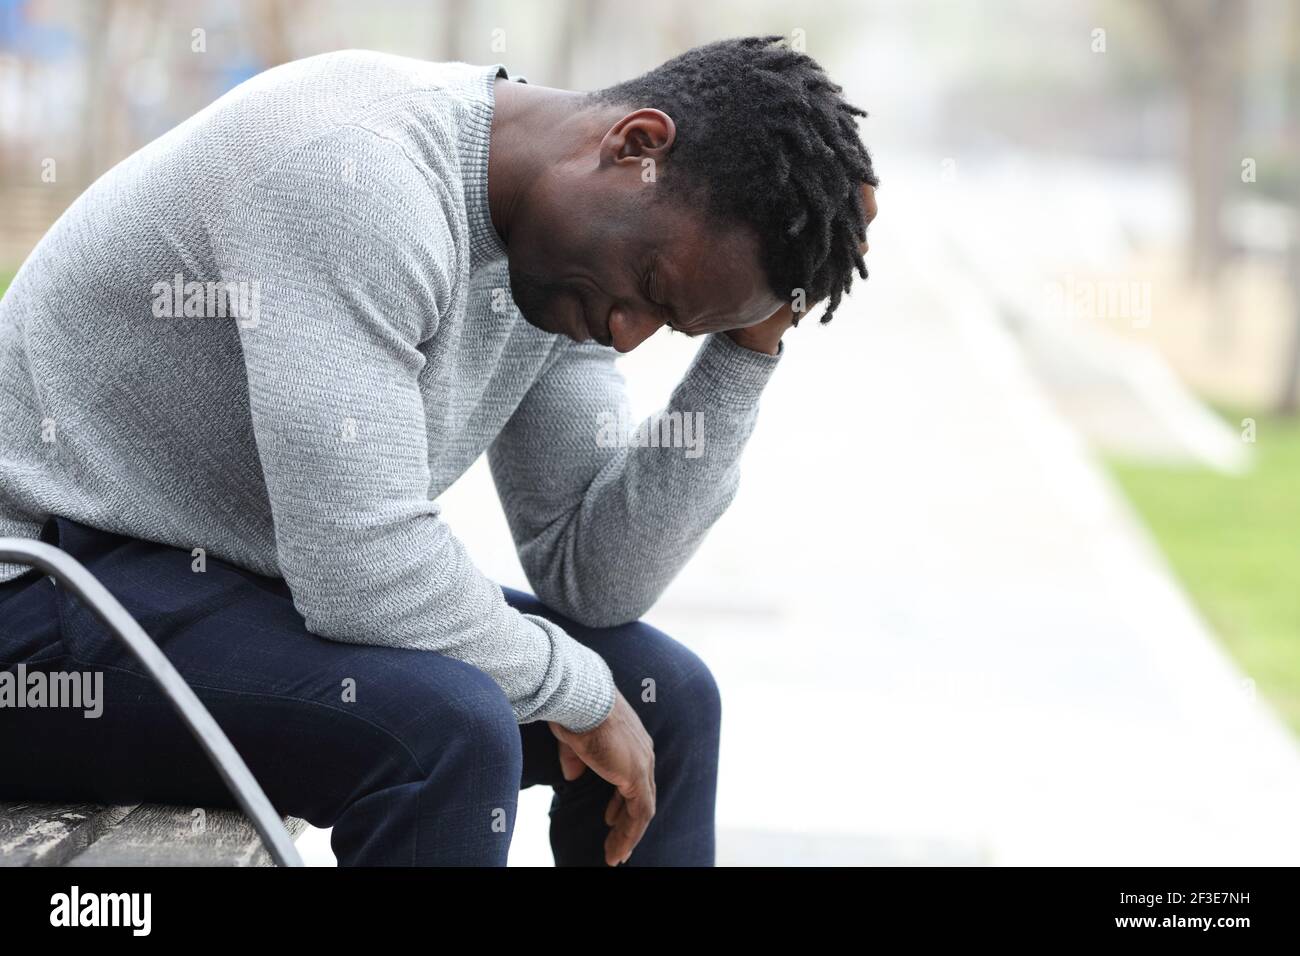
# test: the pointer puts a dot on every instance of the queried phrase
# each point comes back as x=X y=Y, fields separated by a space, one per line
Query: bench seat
x=84 y=834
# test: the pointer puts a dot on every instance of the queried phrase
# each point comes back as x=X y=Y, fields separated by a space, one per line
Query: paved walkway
x=940 y=635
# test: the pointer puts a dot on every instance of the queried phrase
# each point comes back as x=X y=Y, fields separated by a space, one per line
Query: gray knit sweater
x=280 y=331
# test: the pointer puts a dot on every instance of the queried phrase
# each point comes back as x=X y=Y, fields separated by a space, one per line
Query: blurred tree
x=107 y=29
x=1289 y=399
x=450 y=27
x=576 y=39
x=1205 y=38
x=269 y=24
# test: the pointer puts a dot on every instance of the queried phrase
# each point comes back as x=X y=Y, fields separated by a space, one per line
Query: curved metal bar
x=70 y=573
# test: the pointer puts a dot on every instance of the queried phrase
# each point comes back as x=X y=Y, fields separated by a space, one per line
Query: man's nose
x=629 y=329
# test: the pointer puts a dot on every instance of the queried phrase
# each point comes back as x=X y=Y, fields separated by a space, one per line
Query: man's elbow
x=601 y=617
x=348 y=617
x=594 y=608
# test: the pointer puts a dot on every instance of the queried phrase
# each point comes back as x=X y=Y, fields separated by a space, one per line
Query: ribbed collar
x=475 y=141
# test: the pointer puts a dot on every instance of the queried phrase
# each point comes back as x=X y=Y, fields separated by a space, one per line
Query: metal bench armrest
x=71 y=574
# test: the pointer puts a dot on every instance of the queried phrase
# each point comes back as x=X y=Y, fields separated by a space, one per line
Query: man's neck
x=533 y=128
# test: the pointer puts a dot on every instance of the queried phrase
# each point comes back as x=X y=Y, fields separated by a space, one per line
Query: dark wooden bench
x=83 y=834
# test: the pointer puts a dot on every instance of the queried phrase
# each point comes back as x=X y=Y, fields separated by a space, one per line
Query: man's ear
x=644 y=133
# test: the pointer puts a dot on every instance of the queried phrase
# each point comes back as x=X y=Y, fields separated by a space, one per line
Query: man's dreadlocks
x=764 y=138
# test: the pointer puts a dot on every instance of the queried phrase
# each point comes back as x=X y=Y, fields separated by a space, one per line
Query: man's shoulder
x=352 y=79
x=381 y=90
x=305 y=105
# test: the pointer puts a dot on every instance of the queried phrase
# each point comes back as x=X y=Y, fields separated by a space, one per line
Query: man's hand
x=620 y=751
x=766 y=335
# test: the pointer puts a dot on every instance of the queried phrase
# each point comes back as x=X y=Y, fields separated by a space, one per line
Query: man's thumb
x=571 y=764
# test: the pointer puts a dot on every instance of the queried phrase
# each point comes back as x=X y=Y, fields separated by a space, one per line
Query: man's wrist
x=726 y=376
x=753 y=343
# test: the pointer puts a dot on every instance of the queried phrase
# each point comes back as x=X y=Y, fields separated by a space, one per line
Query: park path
x=969 y=648
x=940 y=634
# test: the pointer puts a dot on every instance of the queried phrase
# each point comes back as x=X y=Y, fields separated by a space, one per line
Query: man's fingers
x=868 y=210
x=629 y=820
x=615 y=807
x=617 y=842
x=629 y=827
x=613 y=849
x=571 y=764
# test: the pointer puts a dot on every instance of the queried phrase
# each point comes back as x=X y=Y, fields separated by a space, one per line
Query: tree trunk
x=1205 y=39
x=1289 y=400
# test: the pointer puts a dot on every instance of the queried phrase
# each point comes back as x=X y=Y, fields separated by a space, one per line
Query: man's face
x=602 y=258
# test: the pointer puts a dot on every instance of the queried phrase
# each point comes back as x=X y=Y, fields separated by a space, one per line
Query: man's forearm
x=609 y=558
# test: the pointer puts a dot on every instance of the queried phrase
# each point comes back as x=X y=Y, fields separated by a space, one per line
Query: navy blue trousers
x=413 y=758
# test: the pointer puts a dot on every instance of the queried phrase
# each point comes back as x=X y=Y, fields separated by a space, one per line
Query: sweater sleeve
x=605 y=516
x=354 y=255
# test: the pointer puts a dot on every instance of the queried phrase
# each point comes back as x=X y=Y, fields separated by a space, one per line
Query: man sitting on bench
x=238 y=373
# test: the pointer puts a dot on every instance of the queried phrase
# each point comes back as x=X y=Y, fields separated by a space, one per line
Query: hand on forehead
x=868 y=192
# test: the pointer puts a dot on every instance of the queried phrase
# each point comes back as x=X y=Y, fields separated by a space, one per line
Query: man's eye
x=646 y=287
x=647 y=290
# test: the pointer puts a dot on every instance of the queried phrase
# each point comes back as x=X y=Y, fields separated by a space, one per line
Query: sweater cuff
x=729 y=375
x=585 y=696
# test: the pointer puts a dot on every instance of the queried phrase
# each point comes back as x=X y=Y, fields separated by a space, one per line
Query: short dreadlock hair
x=764 y=138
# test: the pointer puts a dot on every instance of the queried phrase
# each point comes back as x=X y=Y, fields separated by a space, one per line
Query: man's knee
x=699 y=701
x=446 y=714
x=669 y=684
